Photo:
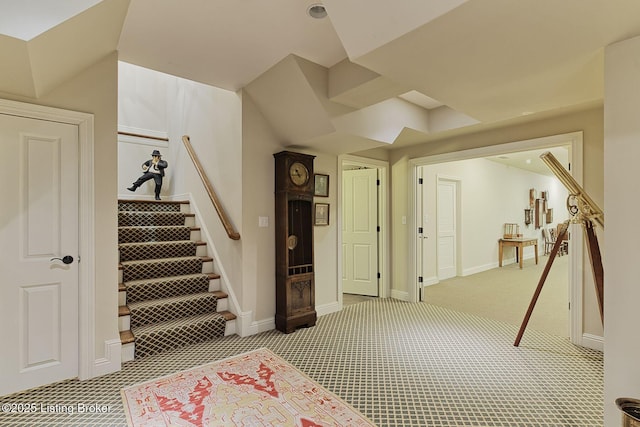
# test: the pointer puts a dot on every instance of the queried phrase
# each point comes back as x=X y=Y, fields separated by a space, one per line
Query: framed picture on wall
x=539 y=213
x=321 y=216
x=321 y=182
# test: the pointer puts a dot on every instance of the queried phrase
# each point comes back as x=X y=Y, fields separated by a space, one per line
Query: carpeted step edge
x=169 y=335
x=154 y=268
x=156 y=311
x=140 y=290
x=140 y=251
x=125 y=312
x=164 y=233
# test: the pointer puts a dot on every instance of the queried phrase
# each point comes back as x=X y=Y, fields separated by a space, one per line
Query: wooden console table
x=519 y=244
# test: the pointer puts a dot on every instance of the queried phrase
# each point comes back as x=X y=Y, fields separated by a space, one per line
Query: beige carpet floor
x=504 y=294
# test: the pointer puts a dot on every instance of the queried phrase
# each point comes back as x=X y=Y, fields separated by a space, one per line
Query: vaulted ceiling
x=373 y=73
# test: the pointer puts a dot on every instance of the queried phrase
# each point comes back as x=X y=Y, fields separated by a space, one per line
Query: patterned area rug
x=256 y=388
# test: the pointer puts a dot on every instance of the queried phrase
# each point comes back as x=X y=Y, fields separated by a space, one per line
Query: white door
x=360 y=232
x=38 y=222
x=446 y=221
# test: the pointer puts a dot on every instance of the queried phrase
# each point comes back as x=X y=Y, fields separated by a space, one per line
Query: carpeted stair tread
x=173 y=323
x=149 y=261
x=158 y=250
x=160 y=310
x=151 y=205
x=165 y=287
x=135 y=218
x=164 y=233
x=175 y=333
x=154 y=268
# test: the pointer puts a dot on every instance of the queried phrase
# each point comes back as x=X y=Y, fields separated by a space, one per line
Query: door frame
x=383 y=219
x=86 y=226
x=576 y=245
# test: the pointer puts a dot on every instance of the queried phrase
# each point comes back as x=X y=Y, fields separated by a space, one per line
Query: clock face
x=298 y=173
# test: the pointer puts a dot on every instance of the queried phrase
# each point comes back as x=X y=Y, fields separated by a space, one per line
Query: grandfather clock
x=295 y=290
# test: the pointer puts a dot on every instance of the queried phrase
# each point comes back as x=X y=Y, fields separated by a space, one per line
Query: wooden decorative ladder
x=169 y=295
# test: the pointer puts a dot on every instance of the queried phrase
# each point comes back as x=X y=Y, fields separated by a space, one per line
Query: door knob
x=67 y=259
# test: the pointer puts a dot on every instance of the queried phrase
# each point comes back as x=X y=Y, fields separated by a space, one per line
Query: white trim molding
x=111 y=362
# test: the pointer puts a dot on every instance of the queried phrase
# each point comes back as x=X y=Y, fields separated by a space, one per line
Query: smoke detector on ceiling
x=317 y=11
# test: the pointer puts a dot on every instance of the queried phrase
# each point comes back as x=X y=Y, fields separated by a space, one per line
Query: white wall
x=235 y=144
x=622 y=290
x=159 y=104
x=491 y=194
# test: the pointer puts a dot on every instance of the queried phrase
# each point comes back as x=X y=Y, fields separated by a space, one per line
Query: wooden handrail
x=231 y=232
x=139 y=135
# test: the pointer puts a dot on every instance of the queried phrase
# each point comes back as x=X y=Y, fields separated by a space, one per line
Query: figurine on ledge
x=153 y=168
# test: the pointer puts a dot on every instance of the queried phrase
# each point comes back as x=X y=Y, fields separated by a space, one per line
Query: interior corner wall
x=94 y=91
x=259 y=143
x=622 y=293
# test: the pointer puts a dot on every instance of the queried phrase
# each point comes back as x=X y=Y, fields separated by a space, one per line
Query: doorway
x=574 y=141
x=363 y=229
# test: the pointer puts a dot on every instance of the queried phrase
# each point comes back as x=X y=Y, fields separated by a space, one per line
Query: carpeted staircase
x=169 y=294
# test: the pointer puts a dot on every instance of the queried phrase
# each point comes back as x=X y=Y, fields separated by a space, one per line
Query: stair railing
x=231 y=232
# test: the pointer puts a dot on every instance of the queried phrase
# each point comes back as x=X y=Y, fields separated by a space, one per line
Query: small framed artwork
x=321 y=216
x=321 y=182
x=528 y=214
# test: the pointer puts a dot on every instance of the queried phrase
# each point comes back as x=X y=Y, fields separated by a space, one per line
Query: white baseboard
x=112 y=360
x=324 y=309
x=429 y=281
x=481 y=268
x=249 y=327
x=400 y=295
x=593 y=342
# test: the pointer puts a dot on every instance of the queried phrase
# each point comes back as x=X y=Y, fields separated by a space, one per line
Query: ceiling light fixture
x=317 y=11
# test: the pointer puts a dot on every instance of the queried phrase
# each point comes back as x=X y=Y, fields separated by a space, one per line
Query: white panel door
x=38 y=222
x=447 y=219
x=360 y=232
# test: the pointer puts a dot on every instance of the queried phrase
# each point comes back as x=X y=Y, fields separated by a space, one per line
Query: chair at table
x=553 y=237
x=564 y=247
x=548 y=241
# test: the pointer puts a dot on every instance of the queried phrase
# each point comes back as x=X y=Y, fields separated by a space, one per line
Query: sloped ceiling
x=56 y=46
x=337 y=84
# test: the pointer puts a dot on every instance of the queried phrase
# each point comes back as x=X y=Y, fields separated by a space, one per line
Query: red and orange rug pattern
x=256 y=388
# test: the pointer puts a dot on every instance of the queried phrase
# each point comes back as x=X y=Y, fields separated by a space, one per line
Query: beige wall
x=589 y=121
x=94 y=91
x=622 y=291
x=258 y=247
x=259 y=143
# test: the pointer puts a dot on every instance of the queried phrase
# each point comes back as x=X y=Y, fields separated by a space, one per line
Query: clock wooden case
x=295 y=285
